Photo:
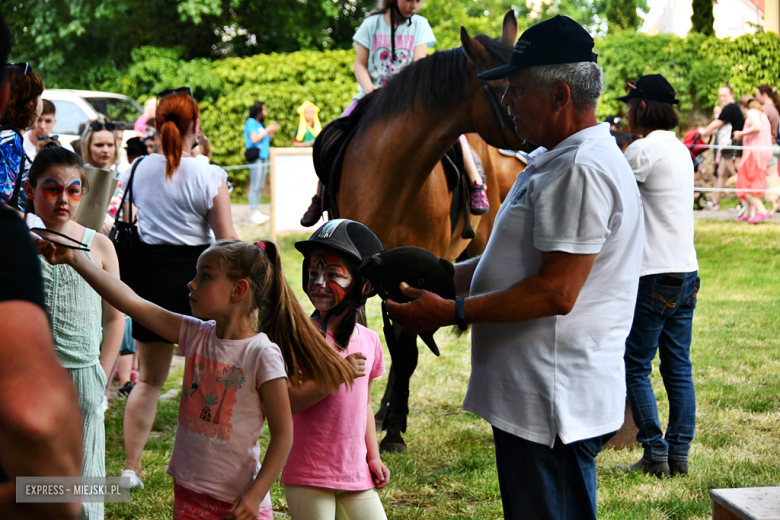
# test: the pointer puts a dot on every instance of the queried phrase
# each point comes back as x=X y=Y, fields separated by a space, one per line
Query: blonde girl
x=87 y=330
x=234 y=376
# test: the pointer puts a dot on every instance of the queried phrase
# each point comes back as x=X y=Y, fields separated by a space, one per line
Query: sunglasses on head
x=97 y=126
x=631 y=85
x=22 y=65
x=180 y=90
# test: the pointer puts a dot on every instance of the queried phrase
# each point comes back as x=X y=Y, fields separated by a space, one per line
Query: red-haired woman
x=183 y=206
x=19 y=115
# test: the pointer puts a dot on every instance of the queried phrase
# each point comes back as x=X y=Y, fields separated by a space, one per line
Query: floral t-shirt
x=374 y=35
x=220 y=416
x=11 y=152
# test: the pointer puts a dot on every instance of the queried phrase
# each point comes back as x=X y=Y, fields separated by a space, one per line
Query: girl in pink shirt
x=234 y=376
x=334 y=467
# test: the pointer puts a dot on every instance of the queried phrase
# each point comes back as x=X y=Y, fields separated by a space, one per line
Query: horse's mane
x=433 y=82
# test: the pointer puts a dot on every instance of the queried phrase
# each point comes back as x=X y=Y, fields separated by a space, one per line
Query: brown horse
x=392 y=179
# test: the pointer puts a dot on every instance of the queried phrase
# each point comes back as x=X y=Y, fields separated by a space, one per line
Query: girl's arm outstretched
x=116 y=293
x=276 y=404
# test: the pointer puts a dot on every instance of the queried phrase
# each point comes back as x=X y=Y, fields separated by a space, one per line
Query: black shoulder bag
x=124 y=235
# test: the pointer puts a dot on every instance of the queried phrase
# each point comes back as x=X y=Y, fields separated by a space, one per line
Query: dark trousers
x=542 y=483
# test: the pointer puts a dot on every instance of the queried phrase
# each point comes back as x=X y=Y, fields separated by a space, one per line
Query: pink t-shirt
x=329 y=439
x=140 y=124
x=220 y=419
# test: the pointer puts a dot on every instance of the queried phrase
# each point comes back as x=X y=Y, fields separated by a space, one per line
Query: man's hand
x=427 y=311
x=358 y=362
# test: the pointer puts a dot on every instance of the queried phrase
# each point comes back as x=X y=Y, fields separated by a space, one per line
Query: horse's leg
x=403 y=352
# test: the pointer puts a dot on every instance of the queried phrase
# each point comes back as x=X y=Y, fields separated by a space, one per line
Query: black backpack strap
x=129 y=190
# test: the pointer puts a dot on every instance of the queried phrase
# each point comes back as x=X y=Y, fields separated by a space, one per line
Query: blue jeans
x=257 y=172
x=663 y=322
x=542 y=483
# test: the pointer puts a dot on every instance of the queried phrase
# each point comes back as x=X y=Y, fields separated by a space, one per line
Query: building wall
x=732 y=17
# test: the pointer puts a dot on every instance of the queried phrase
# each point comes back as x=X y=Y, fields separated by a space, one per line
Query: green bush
x=696 y=66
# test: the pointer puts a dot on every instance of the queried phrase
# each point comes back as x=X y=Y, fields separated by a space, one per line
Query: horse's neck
x=410 y=145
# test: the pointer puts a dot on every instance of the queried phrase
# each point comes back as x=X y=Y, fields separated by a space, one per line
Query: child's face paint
x=329 y=280
x=58 y=194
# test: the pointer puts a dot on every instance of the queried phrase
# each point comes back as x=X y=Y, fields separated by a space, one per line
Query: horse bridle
x=500 y=116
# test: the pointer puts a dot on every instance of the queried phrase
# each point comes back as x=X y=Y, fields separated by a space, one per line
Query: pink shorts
x=190 y=505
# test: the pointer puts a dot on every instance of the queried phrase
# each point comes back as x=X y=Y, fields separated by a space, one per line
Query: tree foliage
x=622 y=15
x=702 y=19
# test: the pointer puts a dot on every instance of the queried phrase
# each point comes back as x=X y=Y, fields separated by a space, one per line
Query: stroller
x=696 y=146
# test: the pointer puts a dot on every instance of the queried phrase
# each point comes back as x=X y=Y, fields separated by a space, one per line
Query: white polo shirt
x=561 y=375
x=663 y=168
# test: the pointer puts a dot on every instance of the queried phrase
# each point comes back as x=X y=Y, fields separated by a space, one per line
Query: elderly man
x=551 y=299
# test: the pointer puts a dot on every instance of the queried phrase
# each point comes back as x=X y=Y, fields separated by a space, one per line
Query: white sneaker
x=129 y=480
x=259 y=218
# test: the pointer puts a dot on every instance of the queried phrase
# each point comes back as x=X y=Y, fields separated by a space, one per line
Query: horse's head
x=484 y=53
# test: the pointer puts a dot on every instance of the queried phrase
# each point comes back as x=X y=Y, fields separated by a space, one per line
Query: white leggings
x=315 y=503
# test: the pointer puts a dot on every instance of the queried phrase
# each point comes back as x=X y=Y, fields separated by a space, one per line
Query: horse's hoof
x=392 y=443
x=379 y=427
x=392 y=447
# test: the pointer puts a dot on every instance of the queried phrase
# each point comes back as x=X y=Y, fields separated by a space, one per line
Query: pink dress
x=752 y=171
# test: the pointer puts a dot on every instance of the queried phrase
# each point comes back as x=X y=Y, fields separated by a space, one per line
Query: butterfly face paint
x=329 y=281
x=52 y=189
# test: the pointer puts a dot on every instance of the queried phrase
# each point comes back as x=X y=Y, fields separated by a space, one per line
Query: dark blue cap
x=551 y=42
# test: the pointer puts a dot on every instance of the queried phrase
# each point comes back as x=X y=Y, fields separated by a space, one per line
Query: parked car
x=75 y=107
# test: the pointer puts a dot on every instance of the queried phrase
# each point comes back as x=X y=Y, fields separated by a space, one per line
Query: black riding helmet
x=347 y=237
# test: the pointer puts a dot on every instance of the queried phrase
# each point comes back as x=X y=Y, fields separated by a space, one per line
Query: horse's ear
x=475 y=50
x=509 y=29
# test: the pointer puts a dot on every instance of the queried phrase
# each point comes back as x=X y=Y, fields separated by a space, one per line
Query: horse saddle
x=329 y=150
x=330 y=147
x=517 y=154
x=420 y=269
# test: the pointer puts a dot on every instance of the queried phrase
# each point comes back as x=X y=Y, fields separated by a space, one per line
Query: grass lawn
x=450 y=469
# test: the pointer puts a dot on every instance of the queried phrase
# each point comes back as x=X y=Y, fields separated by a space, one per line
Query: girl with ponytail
x=183 y=206
x=234 y=377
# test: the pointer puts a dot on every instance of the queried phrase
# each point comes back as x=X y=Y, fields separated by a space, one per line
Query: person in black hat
x=615 y=123
x=334 y=462
x=664 y=173
x=550 y=300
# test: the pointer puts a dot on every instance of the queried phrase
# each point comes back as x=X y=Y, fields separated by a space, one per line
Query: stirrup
x=314 y=213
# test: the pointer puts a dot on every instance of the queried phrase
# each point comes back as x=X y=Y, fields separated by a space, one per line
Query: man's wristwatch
x=460 y=317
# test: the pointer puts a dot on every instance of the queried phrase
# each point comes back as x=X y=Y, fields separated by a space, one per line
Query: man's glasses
x=97 y=126
x=49 y=137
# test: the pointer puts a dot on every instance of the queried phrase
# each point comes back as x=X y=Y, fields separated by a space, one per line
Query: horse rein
x=500 y=116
